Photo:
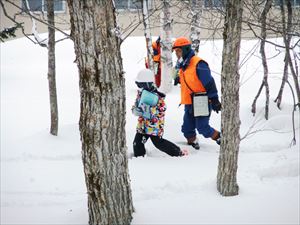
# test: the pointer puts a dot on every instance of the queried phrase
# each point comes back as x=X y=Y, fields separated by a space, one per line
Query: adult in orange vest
x=195 y=76
x=156 y=61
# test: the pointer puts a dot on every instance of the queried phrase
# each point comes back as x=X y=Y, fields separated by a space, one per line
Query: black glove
x=176 y=81
x=216 y=105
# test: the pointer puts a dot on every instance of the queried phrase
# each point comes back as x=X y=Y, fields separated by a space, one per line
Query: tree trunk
x=287 y=39
x=166 y=49
x=284 y=79
x=147 y=33
x=196 y=10
x=51 y=68
x=102 y=114
x=265 y=12
x=286 y=30
x=263 y=20
x=230 y=120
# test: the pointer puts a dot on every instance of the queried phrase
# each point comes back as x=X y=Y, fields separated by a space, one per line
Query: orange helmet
x=180 y=42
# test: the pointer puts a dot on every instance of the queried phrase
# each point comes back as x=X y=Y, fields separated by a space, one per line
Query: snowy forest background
x=42 y=179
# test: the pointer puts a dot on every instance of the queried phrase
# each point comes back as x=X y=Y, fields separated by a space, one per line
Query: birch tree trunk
x=230 y=119
x=147 y=33
x=102 y=114
x=287 y=40
x=51 y=68
x=196 y=10
x=286 y=30
x=166 y=49
x=284 y=79
x=263 y=20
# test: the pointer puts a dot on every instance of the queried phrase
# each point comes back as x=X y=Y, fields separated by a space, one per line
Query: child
x=150 y=108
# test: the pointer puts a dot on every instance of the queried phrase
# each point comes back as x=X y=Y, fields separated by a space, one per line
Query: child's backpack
x=148 y=98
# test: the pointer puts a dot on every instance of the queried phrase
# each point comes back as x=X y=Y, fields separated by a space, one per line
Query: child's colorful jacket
x=155 y=125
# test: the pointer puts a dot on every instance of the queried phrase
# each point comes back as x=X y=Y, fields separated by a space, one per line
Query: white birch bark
x=102 y=114
x=263 y=21
x=286 y=39
x=147 y=33
x=166 y=49
x=230 y=119
x=196 y=11
x=287 y=25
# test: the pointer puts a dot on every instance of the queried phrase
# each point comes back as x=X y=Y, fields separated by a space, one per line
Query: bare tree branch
x=36 y=18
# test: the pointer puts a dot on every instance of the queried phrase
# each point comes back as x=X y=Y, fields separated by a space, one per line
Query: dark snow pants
x=160 y=143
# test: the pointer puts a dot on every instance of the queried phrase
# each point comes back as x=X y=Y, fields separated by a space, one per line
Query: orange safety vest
x=189 y=81
x=156 y=58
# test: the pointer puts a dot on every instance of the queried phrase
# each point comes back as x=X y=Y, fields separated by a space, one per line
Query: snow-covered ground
x=42 y=180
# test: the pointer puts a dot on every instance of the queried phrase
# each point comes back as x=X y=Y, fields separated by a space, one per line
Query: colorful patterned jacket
x=155 y=125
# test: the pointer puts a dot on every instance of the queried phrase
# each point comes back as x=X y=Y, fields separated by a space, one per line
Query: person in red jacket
x=195 y=77
x=156 y=61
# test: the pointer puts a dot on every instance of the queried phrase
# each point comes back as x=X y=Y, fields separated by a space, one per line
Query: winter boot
x=193 y=141
x=218 y=141
x=217 y=137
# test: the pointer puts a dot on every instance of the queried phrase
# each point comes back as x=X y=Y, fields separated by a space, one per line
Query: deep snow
x=42 y=180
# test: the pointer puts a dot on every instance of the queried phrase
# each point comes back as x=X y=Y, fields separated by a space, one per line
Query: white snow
x=42 y=180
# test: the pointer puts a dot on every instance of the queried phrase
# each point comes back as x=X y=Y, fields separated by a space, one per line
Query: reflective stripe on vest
x=189 y=77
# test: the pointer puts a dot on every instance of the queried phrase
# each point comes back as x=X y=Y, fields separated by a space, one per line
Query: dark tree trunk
x=51 y=68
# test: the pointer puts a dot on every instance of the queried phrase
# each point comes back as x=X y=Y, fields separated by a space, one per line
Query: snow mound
x=288 y=169
x=283 y=166
x=282 y=123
